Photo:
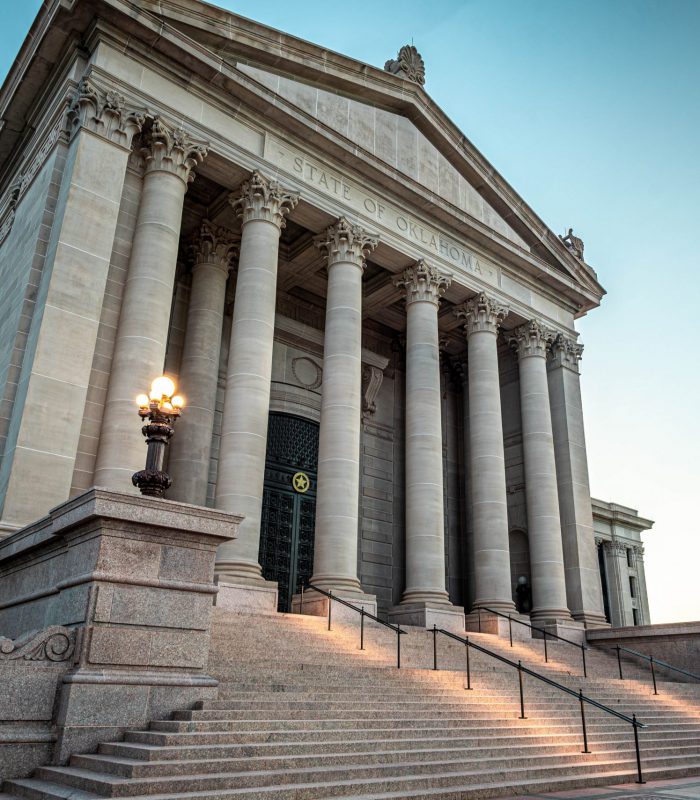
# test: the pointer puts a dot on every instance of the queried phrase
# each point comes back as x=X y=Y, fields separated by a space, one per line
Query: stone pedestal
x=247 y=597
x=316 y=605
x=122 y=585
x=498 y=626
x=425 y=615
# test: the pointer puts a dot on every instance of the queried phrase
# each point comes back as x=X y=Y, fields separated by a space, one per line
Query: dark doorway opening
x=289 y=504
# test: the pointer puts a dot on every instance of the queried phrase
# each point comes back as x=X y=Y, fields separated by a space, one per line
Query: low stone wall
x=105 y=613
x=677 y=643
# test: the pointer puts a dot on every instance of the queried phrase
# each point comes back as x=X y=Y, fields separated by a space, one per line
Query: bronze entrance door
x=289 y=504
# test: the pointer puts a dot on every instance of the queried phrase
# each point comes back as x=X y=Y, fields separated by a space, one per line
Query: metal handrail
x=361 y=611
x=543 y=631
x=580 y=696
x=651 y=661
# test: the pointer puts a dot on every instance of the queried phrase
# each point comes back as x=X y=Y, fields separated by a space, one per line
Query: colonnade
x=564 y=572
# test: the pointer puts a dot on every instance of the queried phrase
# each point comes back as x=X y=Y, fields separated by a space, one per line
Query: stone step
x=335 y=734
x=550 y=757
x=318 y=783
x=474 y=742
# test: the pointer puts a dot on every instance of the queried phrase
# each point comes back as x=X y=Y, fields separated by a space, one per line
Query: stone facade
x=287 y=231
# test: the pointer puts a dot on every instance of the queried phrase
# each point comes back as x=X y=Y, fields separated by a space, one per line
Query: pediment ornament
x=408 y=64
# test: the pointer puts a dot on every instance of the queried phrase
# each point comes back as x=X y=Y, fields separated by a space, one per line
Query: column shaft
x=583 y=587
x=425 y=523
x=337 y=504
x=544 y=527
x=190 y=451
x=139 y=350
x=487 y=460
x=261 y=205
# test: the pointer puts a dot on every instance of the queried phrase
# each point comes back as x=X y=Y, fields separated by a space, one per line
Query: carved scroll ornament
x=52 y=644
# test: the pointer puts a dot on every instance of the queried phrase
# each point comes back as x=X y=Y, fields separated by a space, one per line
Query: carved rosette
x=52 y=644
x=104 y=112
x=423 y=282
x=482 y=313
x=566 y=352
x=346 y=243
x=214 y=245
x=167 y=149
x=262 y=199
x=531 y=339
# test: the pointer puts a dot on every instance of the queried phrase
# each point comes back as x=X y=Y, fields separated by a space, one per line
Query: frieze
x=380 y=212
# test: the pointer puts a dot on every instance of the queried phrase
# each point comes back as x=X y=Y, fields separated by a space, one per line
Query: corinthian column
x=337 y=504
x=487 y=472
x=425 y=598
x=261 y=205
x=213 y=249
x=531 y=342
x=170 y=157
x=583 y=589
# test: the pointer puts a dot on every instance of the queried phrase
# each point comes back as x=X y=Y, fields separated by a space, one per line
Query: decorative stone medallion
x=307 y=372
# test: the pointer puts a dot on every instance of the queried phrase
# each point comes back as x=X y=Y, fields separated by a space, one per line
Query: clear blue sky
x=591 y=110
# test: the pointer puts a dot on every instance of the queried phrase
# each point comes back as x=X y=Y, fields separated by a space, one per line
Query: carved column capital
x=104 y=112
x=531 y=339
x=638 y=552
x=482 y=313
x=168 y=149
x=262 y=199
x=566 y=352
x=423 y=282
x=346 y=242
x=214 y=245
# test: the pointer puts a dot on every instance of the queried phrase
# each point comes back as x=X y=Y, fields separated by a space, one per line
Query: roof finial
x=408 y=64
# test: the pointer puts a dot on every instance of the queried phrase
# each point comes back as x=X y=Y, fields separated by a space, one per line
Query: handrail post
x=301 y=601
x=479 y=610
x=469 y=676
x=435 y=646
x=619 y=661
x=583 y=658
x=653 y=674
x=583 y=722
x=520 y=681
x=362 y=628
x=546 y=659
x=330 y=603
x=510 y=630
x=640 y=779
x=398 y=648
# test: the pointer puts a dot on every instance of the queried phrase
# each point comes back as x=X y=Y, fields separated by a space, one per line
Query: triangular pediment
x=393 y=139
x=392 y=119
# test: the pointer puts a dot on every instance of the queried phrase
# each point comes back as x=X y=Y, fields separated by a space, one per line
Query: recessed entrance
x=289 y=504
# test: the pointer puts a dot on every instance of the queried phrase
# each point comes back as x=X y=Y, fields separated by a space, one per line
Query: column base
x=591 y=619
x=316 y=605
x=568 y=629
x=246 y=596
x=498 y=626
x=426 y=614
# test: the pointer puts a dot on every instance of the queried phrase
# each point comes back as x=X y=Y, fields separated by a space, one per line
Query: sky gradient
x=590 y=109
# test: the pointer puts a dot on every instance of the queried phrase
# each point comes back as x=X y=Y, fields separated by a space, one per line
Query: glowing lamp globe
x=162 y=387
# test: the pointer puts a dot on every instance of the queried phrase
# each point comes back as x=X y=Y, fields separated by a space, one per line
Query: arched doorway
x=289 y=504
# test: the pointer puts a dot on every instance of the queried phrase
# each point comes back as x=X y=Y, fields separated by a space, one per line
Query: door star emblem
x=301 y=482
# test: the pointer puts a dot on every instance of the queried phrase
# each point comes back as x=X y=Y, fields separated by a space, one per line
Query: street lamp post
x=160 y=408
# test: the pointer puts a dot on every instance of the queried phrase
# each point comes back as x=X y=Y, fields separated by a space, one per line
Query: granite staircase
x=303 y=713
